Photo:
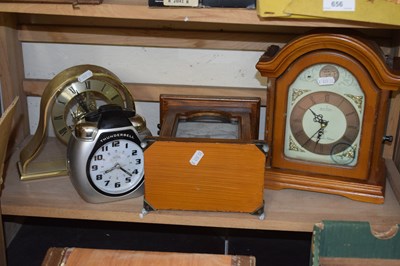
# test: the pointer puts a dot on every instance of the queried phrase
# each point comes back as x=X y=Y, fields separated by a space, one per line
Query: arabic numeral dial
x=116 y=167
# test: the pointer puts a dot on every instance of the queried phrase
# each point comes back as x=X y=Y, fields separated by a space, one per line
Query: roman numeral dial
x=79 y=98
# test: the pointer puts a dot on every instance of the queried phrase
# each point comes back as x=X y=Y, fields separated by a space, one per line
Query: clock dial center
x=333 y=123
x=76 y=100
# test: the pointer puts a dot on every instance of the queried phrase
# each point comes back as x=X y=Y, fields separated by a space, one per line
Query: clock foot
x=143 y=213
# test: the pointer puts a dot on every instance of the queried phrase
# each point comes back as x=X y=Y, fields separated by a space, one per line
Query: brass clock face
x=66 y=99
x=324 y=116
x=73 y=101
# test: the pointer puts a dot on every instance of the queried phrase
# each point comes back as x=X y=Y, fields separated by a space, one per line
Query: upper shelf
x=138 y=10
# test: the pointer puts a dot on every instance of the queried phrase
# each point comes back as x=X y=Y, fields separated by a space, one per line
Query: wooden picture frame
x=245 y=110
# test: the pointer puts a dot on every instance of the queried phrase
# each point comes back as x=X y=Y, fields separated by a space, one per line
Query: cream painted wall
x=174 y=66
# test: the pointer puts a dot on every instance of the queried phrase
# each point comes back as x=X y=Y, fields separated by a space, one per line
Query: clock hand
x=118 y=166
x=90 y=102
x=320 y=132
x=111 y=169
x=125 y=171
x=72 y=114
x=308 y=140
x=312 y=112
x=81 y=102
x=317 y=117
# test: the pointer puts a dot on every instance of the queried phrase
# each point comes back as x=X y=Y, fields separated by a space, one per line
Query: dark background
x=269 y=247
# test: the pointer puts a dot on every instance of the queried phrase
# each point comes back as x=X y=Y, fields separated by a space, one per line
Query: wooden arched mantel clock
x=327 y=101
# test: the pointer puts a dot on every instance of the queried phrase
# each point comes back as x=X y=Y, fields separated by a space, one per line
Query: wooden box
x=103 y=257
x=205 y=174
x=229 y=177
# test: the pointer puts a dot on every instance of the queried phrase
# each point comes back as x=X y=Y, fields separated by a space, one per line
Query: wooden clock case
x=206 y=174
x=366 y=180
x=245 y=111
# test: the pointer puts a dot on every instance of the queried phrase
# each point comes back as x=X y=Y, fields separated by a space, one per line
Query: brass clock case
x=66 y=99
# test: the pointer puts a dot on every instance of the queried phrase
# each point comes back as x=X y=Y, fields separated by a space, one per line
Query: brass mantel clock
x=70 y=95
x=327 y=106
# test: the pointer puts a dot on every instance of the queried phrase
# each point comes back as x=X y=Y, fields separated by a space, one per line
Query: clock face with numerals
x=324 y=113
x=72 y=102
x=116 y=167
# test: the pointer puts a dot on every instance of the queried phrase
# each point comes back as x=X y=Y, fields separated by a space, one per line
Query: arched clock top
x=275 y=61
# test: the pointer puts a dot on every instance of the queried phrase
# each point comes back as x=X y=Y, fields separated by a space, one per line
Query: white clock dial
x=324 y=116
x=335 y=126
x=116 y=167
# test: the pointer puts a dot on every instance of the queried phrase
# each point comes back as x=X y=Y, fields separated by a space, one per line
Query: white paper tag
x=339 y=5
x=84 y=76
x=181 y=3
x=196 y=158
x=325 y=81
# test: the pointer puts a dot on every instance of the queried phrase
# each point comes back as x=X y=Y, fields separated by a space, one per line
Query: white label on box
x=339 y=5
x=191 y=3
x=196 y=158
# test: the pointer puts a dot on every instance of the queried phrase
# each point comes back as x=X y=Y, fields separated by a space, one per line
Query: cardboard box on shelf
x=377 y=11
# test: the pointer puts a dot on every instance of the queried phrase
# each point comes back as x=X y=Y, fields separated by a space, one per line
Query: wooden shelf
x=138 y=10
x=287 y=210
